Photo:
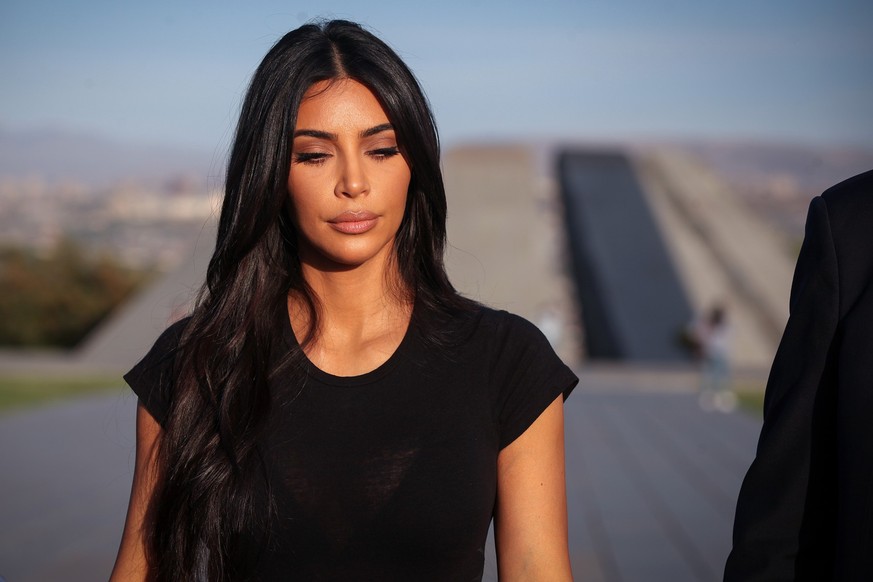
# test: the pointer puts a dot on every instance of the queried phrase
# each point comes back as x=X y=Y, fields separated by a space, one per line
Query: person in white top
x=714 y=337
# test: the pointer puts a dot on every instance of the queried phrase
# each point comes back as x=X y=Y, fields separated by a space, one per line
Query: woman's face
x=348 y=180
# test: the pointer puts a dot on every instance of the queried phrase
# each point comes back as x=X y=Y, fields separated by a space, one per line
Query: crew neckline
x=361 y=379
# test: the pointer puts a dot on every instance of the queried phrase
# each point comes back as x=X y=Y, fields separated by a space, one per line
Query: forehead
x=334 y=105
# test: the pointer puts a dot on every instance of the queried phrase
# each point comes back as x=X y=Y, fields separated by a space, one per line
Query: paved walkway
x=65 y=473
x=652 y=482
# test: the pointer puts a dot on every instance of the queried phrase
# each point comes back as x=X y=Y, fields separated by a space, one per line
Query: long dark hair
x=209 y=461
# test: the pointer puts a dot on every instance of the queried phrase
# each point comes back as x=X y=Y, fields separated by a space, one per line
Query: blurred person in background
x=333 y=409
x=805 y=510
x=712 y=343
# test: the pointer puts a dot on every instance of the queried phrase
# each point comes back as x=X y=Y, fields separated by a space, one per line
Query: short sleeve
x=529 y=375
x=153 y=378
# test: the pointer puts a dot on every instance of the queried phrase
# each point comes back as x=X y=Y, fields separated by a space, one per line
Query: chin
x=337 y=259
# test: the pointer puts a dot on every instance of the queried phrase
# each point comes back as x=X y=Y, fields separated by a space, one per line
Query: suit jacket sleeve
x=786 y=506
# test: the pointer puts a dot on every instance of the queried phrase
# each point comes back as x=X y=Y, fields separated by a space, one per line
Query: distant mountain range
x=811 y=168
x=58 y=155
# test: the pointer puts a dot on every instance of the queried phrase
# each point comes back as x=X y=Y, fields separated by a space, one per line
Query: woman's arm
x=530 y=520
x=131 y=561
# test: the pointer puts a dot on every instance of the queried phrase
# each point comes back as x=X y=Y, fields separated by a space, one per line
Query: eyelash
x=318 y=158
x=384 y=153
x=311 y=159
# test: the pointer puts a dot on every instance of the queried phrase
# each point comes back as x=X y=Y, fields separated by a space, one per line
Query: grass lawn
x=27 y=391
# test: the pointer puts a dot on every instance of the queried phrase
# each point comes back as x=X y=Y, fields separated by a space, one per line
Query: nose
x=352 y=181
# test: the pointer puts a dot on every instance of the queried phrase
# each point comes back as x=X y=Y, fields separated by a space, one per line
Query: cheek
x=302 y=198
x=401 y=187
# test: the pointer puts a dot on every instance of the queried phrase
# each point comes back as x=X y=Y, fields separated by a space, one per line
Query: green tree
x=58 y=298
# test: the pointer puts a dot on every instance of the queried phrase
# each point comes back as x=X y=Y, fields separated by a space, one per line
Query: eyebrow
x=377 y=129
x=316 y=133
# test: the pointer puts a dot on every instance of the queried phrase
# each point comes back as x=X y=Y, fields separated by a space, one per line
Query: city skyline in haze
x=175 y=74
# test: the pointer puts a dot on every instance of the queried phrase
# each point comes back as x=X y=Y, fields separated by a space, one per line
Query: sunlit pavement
x=652 y=481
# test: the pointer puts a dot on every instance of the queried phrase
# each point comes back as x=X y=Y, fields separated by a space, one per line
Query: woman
x=333 y=409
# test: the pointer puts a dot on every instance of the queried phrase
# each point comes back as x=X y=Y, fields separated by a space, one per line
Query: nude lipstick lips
x=354 y=222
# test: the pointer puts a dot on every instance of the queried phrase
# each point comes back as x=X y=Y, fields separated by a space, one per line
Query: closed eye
x=384 y=153
x=310 y=158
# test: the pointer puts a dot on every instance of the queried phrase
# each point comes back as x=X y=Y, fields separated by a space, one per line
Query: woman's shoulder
x=168 y=342
x=525 y=373
x=483 y=333
x=153 y=377
x=174 y=331
x=504 y=322
x=501 y=317
x=497 y=329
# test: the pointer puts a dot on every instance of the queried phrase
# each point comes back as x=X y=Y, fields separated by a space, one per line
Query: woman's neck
x=361 y=319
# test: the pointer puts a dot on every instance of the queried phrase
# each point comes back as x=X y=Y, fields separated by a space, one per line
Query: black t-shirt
x=391 y=475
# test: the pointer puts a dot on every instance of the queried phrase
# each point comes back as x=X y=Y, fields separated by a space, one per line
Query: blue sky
x=174 y=72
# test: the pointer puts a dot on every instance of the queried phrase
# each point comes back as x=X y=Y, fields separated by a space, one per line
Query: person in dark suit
x=805 y=510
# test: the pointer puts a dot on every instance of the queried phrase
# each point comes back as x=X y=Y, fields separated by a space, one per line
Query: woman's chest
x=394 y=470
